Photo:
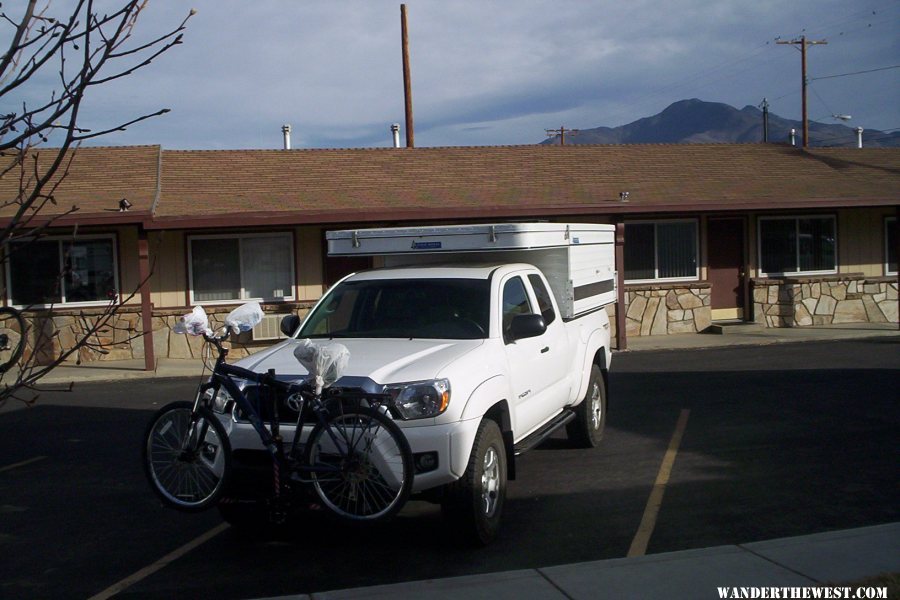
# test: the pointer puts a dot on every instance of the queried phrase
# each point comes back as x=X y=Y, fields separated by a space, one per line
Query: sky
x=487 y=72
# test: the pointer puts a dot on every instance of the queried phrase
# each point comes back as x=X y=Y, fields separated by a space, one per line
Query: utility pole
x=765 y=109
x=561 y=132
x=803 y=43
x=407 y=85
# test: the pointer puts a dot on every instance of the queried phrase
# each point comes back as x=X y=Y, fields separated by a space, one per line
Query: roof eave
x=268 y=219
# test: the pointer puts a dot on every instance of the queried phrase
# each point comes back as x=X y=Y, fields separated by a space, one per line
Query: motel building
x=760 y=233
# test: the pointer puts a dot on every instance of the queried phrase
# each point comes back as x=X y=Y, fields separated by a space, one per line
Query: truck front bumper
x=440 y=452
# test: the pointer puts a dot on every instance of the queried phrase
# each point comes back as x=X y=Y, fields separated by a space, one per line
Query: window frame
x=796 y=219
x=887 y=246
x=239 y=236
x=60 y=239
x=657 y=278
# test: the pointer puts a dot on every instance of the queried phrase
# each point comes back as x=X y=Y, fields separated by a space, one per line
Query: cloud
x=490 y=71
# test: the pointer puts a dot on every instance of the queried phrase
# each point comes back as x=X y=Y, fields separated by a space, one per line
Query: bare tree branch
x=79 y=49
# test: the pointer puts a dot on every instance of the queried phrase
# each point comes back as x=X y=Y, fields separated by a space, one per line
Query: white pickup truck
x=489 y=338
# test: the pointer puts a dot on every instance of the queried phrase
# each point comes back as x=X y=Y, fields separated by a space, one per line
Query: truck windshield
x=403 y=308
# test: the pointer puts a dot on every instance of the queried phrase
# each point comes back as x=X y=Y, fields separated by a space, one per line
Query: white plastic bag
x=324 y=361
x=193 y=323
x=244 y=317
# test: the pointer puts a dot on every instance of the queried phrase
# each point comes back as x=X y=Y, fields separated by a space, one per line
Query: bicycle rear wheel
x=361 y=465
x=12 y=337
x=187 y=456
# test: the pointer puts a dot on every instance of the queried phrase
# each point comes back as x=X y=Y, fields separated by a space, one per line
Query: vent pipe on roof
x=395 y=132
x=859 y=131
x=793 y=137
x=286 y=131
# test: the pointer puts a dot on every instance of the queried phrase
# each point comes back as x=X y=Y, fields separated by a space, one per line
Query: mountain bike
x=355 y=457
x=12 y=337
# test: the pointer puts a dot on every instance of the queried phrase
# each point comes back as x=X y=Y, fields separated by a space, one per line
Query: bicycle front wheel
x=12 y=337
x=187 y=456
x=361 y=465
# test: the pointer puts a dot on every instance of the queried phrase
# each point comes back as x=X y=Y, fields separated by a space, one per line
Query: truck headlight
x=221 y=402
x=420 y=399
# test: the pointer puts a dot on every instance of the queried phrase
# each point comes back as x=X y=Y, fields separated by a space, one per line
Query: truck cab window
x=515 y=301
x=543 y=298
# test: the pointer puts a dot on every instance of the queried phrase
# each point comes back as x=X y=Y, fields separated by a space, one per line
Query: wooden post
x=146 y=304
x=621 y=337
x=407 y=85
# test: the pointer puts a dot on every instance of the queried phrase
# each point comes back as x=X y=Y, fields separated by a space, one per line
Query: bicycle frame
x=270 y=438
x=355 y=457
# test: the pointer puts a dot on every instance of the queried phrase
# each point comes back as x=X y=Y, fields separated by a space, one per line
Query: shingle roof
x=95 y=180
x=238 y=187
x=441 y=182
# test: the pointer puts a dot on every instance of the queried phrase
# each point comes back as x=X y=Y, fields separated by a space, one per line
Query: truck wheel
x=586 y=430
x=473 y=504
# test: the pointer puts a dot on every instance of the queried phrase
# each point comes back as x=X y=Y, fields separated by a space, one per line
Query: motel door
x=725 y=249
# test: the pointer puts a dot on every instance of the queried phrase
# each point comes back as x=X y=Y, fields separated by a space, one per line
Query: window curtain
x=267 y=267
x=640 y=249
x=677 y=249
x=216 y=269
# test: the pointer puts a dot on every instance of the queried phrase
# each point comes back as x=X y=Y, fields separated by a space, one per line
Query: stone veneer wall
x=824 y=300
x=49 y=335
x=664 y=309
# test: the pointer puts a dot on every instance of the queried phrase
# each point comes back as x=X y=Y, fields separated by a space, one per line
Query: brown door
x=725 y=249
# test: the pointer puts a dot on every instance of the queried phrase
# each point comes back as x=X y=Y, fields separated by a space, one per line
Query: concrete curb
x=835 y=558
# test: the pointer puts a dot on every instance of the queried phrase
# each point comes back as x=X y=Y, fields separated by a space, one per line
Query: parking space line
x=654 y=502
x=165 y=560
x=22 y=463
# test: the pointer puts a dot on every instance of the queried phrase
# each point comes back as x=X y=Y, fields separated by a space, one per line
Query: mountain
x=698 y=122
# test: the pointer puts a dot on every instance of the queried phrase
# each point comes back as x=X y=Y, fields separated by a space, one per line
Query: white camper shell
x=578 y=259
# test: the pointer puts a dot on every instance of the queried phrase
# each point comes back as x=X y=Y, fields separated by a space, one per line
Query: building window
x=63 y=271
x=797 y=245
x=241 y=267
x=890 y=246
x=663 y=250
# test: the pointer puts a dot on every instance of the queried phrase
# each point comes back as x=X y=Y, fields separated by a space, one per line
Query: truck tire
x=586 y=430
x=472 y=505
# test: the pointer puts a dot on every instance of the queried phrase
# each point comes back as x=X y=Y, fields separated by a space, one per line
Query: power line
x=855 y=73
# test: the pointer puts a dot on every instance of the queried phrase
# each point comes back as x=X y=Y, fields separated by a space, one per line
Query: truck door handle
x=545 y=349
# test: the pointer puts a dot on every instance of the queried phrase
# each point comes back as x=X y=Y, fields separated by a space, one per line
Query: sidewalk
x=834 y=558
x=745 y=336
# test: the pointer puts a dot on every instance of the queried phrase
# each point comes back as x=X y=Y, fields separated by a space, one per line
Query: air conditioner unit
x=269 y=328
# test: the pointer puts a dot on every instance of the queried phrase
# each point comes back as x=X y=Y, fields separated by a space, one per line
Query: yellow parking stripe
x=21 y=464
x=165 y=560
x=648 y=521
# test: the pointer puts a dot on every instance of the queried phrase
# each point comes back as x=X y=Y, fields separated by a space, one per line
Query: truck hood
x=381 y=360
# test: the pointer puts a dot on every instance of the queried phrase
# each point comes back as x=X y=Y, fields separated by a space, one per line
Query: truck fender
x=596 y=352
x=489 y=400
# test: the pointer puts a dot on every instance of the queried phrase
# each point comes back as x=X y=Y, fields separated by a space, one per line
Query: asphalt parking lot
x=778 y=441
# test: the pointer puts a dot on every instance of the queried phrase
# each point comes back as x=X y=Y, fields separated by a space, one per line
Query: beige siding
x=169 y=280
x=861 y=241
x=309 y=263
x=752 y=245
x=702 y=249
x=129 y=272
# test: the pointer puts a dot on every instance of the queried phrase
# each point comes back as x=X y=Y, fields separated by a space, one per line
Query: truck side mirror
x=289 y=324
x=526 y=326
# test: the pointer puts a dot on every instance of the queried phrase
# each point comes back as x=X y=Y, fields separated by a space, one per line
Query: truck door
x=533 y=369
x=558 y=354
